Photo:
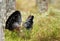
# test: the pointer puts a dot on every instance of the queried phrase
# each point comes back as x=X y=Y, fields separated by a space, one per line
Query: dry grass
x=44 y=29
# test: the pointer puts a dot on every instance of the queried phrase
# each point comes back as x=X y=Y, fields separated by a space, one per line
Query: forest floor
x=45 y=28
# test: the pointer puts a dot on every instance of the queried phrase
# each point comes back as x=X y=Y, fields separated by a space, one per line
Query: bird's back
x=14 y=17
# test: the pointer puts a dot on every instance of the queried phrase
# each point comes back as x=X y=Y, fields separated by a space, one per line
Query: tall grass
x=44 y=29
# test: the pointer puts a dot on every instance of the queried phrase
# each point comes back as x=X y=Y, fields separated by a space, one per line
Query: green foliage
x=44 y=29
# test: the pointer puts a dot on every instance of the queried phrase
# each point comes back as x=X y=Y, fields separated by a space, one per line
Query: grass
x=44 y=29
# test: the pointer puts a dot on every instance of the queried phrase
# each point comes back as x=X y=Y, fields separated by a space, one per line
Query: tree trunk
x=2 y=18
x=5 y=5
x=42 y=5
x=10 y=7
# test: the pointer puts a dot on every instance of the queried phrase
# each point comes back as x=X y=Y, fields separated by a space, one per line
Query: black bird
x=29 y=22
x=14 y=21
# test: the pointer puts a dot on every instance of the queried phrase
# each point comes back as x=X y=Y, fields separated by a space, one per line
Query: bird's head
x=31 y=17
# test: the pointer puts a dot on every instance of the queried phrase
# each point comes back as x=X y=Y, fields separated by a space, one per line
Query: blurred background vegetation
x=45 y=28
